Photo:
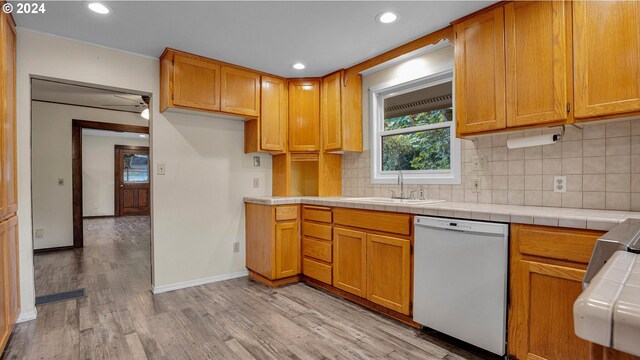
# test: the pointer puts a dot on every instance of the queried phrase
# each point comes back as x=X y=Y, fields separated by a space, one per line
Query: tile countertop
x=603 y=220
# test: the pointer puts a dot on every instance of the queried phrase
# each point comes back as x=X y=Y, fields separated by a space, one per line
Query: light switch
x=162 y=168
x=39 y=233
x=256 y=182
x=60 y=182
x=256 y=161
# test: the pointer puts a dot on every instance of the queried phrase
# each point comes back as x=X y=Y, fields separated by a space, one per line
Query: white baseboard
x=190 y=283
x=27 y=315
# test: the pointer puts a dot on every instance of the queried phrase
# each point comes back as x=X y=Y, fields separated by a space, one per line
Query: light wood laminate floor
x=235 y=319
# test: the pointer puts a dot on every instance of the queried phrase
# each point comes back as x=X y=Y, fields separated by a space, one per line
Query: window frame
x=377 y=94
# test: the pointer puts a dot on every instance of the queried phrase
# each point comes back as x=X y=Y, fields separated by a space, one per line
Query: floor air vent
x=61 y=296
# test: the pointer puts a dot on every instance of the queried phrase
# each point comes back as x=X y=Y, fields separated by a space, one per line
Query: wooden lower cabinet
x=389 y=272
x=287 y=250
x=9 y=273
x=546 y=269
x=350 y=261
x=273 y=243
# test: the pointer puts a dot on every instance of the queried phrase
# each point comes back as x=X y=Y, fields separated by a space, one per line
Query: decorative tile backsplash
x=601 y=162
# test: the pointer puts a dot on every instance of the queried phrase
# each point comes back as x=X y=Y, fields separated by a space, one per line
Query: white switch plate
x=256 y=161
x=39 y=233
x=162 y=168
x=480 y=162
x=60 y=182
x=560 y=184
x=256 y=183
x=236 y=247
x=95 y=206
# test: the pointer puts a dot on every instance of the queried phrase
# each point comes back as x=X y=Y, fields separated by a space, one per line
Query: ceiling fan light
x=145 y=114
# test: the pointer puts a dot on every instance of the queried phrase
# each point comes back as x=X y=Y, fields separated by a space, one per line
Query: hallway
x=234 y=319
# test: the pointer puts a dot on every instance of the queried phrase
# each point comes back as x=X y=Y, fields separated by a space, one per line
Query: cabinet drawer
x=317 y=249
x=316 y=213
x=317 y=270
x=316 y=231
x=372 y=220
x=555 y=243
x=286 y=213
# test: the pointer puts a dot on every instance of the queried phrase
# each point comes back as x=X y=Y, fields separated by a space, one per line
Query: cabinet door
x=304 y=115
x=5 y=325
x=606 y=52
x=388 y=272
x=273 y=114
x=12 y=278
x=480 y=78
x=239 y=91
x=541 y=311
x=196 y=83
x=536 y=54
x=331 y=112
x=287 y=250
x=350 y=261
x=9 y=183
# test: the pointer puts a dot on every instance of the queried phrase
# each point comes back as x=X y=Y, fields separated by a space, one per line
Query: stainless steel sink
x=382 y=200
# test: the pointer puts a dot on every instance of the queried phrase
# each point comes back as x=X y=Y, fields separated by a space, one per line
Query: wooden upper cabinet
x=606 y=52
x=350 y=261
x=8 y=161
x=239 y=91
x=273 y=114
x=196 y=82
x=480 y=73
x=536 y=62
x=389 y=272
x=341 y=110
x=304 y=115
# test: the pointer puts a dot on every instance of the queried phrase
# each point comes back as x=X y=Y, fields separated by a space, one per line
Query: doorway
x=76 y=129
x=132 y=192
x=78 y=126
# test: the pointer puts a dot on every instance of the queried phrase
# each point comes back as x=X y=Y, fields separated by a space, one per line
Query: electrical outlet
x=39 y=233
x=476 y=185
x=236 y=247
x=480 y=162
x=256 y=161
x=162 y=168
x=256 y=183
x=560 y=184
x=60 y=182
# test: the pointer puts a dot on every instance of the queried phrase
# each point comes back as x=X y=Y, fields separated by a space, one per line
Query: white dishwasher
x=460 y=280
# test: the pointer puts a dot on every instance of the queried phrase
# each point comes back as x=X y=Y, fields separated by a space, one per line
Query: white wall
x=418 y=67
x=197 y=209
x=98 y=178
x=51 y=160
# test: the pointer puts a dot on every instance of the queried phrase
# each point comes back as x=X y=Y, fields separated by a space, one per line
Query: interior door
x=132 y=180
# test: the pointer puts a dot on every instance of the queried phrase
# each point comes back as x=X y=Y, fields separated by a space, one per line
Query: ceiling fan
x=139 y=105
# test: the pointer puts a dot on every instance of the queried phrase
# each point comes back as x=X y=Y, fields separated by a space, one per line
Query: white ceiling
x=263 y=35
x=57 y=92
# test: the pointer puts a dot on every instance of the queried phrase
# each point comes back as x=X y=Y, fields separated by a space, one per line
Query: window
x=414 y=131
x=136 y=168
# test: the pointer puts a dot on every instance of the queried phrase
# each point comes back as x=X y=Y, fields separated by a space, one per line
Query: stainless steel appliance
x=624 y=237
x=460 y=280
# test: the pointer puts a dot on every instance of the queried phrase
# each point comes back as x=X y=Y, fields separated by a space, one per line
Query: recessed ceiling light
x=387 y=17
x=98 y=8
x=145 y=115
x=298 y=66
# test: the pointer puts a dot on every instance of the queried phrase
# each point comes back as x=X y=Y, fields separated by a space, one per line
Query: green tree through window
x=420 y=150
